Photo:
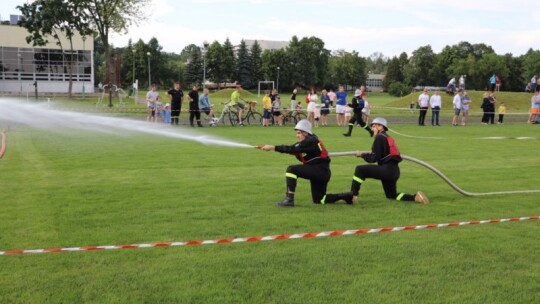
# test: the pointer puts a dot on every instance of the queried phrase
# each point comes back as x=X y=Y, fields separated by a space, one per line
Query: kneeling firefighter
x=385 y=153
x=315 y=165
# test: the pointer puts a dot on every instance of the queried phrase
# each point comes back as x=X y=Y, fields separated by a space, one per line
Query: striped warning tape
x=269 y=238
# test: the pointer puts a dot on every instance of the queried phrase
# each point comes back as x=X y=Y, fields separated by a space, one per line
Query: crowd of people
x=348 y=114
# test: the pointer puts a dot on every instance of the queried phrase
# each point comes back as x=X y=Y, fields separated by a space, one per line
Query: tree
x=244 y=66
x=515 y=81
x=347 y=68
x=531 y=64
x=56 y=18
x=194 y=68
x=110 y=16
x=255 y=62
x=393 y=73
x=376 y=63
x=229 y=61
x=309 y=60
x=214 y=68
x=417 y=72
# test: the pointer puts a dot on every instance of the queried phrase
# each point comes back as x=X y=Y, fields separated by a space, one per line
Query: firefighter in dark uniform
x=194 y=111
x=315 y=165
x=177 y=96
x=385 y=153
x=357 y=104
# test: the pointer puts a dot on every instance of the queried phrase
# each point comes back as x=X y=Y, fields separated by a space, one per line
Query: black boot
x=347 y=197
x=288 y=201
x=348 y=134
x=199 y=124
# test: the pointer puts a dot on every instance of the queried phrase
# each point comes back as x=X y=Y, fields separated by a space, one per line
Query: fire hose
x=441 y=175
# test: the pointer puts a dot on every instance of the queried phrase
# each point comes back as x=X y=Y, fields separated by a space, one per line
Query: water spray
x=441 y=175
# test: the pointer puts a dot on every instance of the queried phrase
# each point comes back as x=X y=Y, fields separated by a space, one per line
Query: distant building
x=22 y=65
x=374 y=82
x=267 y=44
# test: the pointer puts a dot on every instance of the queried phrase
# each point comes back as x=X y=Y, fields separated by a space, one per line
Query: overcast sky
x=365 y=26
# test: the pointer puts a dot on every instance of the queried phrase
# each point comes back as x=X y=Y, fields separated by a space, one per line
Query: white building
x=22 y=65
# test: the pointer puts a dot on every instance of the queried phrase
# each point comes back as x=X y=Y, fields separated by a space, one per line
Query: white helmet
x=304 y=125
x=380 y=121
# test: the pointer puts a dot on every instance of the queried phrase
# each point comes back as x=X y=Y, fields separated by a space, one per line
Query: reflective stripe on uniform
x=357 y=179
x=323 y=200
x=291 y=175
x=400 y=196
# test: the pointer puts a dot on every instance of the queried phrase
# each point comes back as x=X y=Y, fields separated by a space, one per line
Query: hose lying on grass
x=441 y=175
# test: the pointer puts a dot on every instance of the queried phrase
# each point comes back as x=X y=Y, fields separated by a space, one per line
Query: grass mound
x=226 y=94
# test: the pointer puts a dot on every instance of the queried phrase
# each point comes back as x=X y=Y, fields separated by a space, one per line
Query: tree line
x=302 y=63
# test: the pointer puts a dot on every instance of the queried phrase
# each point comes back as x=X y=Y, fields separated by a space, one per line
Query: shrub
x=398 y=89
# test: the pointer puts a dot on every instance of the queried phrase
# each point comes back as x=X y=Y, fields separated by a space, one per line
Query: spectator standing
x=267 y=108
x=492 y=82
x=465 y=102
x=535 y=107
x=497 y=84
x=206 y=107
x=435 y=102
x=366 y=111
x=332 y=96
x=502 y=111
x=194 y=111
x=456 y=104
x=312 y=101
x=462 y=82
x=325 y=107
x=276 y=110
x=341 y=105
x=167 y=114
x=177 y=97
x=293 y=99
x=488 y=105
x=533 y=83
x=151 y=98
x=423 y=102
x=159 y=109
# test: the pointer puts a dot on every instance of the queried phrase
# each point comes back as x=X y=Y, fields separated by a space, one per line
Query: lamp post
x=149 y=74
x=205 y=48
x=20 y=81
x=277 y=85
x=133 y=81
x=84 y=76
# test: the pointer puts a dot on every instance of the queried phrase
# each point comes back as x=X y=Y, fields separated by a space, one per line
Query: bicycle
x=227 y=112
x=251 y=115
x=292 y=117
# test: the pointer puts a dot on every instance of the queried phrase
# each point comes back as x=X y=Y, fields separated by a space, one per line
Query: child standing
x=167 y=114
x=502 y=111
x=276 y=108
x=158 y=109
x=267 y=108
x=325 y=107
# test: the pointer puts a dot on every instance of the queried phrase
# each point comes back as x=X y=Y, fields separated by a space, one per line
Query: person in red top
x=385 y=153
x=315 y=165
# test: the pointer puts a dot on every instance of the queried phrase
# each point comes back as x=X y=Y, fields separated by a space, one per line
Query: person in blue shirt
x=206 y=107
x=341 y=106
x=492 y=82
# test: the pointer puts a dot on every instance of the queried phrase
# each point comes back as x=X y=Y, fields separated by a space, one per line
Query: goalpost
x=264 y=82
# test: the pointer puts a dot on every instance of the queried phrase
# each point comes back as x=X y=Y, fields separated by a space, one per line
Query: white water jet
x=38 y=115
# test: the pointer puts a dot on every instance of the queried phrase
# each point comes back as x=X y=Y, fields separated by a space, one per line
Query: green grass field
x=69 y=188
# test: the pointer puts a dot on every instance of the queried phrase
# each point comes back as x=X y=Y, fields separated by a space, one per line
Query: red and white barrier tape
x=269 y=238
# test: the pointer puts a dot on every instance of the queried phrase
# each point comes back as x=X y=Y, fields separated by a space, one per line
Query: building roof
x=267 y=44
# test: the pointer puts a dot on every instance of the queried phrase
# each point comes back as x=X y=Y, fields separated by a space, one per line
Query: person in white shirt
x=423 y=102
x=457 y=107
x=462 y=82
x=435 y=103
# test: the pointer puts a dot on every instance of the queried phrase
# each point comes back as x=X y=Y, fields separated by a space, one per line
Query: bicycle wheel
x=255 y=118
x=299 y=116
x=233 y=118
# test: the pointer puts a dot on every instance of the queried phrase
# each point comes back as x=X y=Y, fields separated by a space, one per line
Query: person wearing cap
x=385 y=153
x=357 y=104
x=423 y=102
x=315 y=165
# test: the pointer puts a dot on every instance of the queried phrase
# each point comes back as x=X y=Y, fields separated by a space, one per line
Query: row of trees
x=303 y=62
x=478 y=62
